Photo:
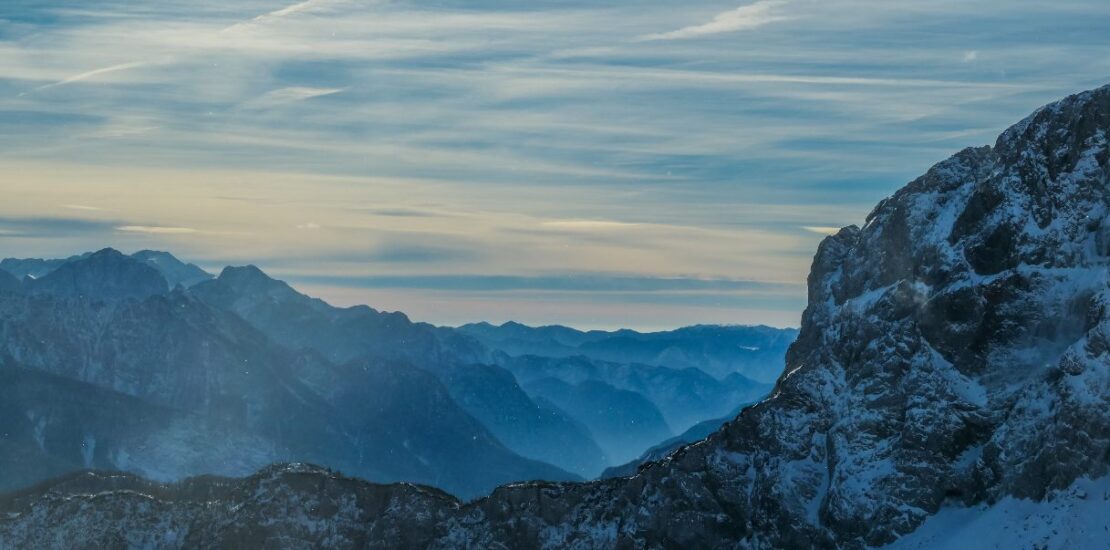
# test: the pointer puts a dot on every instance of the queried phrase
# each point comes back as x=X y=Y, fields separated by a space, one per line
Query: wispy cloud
x=589 y=225
x=290 y=94
x=156 y=229
x=751 y=16
x=53 y=227
x=84 y=207
x=92 y=74
x=822 y=229
x=292 y=9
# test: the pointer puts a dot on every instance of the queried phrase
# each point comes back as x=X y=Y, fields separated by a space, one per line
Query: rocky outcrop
x=955 y=350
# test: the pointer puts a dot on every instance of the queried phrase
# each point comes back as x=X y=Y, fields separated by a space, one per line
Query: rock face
x=955 y=350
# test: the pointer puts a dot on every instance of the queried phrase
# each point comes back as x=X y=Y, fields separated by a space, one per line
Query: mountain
x=163 y=385
x=756 y=352
x=696 y=433
x=173 y=270
x=684 y=396
x=474 y=374
x=8 y=282
x=340 y=334
x=954 y=356
x=303 y=506
x=530 y=427
x=176 y=272
x=485 y=391
x=624 y=423
x=35 y=268
x=104 y=275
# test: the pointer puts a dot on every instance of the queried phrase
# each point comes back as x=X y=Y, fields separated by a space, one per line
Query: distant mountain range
x=149 y=364
x=751 y=351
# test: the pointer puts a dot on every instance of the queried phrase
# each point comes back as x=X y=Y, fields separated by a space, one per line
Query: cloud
x=970 y=56
x=415 y=253
x=291 y=94
x=589 y=225
x=822 y=229
x=52 y=227
x=292 y=9
x=155 y=229
x=93 y=73
x=404 y=212
x=751 y=16
x=82 y=207
x=309 y=226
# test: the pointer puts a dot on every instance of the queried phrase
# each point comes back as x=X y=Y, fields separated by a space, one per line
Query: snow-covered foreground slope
x=1075 y=517
x=955 y=352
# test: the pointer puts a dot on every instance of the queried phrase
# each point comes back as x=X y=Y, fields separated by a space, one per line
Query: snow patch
x=1077 y=517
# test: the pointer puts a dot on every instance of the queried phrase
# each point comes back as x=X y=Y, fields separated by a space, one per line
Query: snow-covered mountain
x=954 y=355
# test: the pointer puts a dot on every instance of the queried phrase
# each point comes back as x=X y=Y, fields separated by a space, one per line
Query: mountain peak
x=246 y=276
x=106 y=274
x=250 y=283
x=107 y=252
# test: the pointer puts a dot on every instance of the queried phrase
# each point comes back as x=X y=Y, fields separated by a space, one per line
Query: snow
x=1077 y=517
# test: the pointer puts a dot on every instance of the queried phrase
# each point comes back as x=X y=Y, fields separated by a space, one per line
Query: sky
x=636 y=163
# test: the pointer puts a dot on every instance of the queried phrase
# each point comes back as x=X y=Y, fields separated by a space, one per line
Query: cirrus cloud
x=156 y=229
x=751 y=16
